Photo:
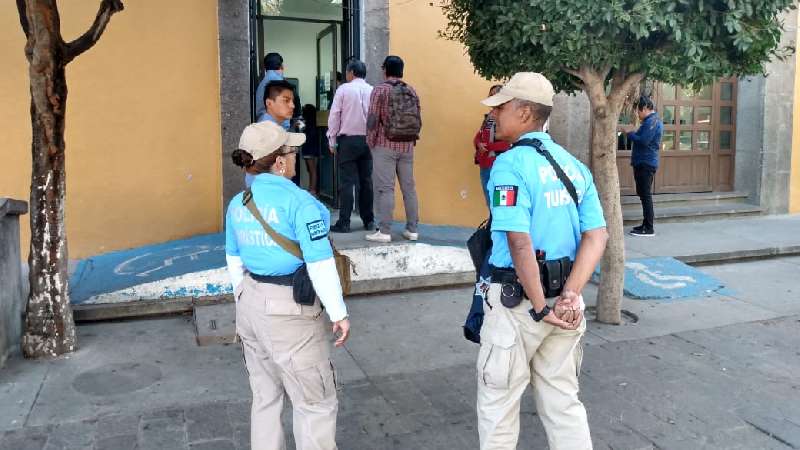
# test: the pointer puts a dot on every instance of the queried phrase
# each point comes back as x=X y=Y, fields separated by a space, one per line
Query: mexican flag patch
x=504 y=196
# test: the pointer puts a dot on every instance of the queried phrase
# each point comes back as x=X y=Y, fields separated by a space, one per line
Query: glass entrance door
x=326 y=83
x=315 y=38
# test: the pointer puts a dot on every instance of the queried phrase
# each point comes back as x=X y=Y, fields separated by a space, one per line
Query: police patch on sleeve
x=505 y=195
x=316 y=229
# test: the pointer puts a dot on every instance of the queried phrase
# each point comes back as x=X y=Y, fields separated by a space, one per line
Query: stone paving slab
x=19 y=385
x=775 y=284
x=658 y=319
x=716 y=373
x=121 y=369
x=640 y=394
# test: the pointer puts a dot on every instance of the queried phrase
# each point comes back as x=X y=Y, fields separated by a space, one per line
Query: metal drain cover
x=116 y=379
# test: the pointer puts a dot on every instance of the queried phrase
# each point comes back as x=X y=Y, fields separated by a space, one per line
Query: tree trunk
x=605 y=116
x=609 y=295
x=49 y=326
x=50 y=329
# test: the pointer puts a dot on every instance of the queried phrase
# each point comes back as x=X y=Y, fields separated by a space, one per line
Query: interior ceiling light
x=336 y=2
x=271 y=7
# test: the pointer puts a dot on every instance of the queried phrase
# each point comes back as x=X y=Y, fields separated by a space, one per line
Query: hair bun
x=242 y=158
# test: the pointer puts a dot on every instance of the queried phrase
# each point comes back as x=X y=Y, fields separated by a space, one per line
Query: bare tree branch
x=23 y=17
x=578 y=84
x=619 y=92
x=572 y=72
x=90 y=37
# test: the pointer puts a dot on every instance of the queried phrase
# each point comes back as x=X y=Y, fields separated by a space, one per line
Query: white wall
x=297 y=43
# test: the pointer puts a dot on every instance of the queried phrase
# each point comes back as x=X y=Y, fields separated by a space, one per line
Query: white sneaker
x=379 y=237
x=410 y=236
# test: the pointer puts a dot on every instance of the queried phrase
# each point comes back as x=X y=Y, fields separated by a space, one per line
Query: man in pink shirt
x=347 y=130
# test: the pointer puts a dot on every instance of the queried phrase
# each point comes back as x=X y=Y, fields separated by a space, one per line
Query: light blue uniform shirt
x=527 y=196
x=267 y=117
x=292 y=212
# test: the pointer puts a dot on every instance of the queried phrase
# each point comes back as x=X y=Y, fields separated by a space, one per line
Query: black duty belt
x=280 y=280
x=553 y=274
x=504 y=275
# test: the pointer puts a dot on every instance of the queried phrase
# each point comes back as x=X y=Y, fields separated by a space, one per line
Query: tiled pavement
x=729 y=387
x=705 y=373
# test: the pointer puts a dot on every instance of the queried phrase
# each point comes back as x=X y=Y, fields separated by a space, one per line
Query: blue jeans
x=484 y=181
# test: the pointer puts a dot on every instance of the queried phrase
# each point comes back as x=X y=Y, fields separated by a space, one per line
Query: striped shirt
x=379 y=117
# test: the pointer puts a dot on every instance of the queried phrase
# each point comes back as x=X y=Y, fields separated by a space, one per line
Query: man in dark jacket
x=644 y=159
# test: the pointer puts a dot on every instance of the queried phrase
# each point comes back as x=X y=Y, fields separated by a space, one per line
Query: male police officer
x=279 y=106
x=533 y=212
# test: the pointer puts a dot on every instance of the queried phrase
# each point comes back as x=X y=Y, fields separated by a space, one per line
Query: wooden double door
x=698 y=145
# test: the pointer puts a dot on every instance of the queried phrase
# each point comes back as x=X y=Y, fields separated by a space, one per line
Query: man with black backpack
x=393 y=126
x=548 y=234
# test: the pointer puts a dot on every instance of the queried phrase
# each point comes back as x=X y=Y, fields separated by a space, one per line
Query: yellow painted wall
x=794 y=183
x=448 y=184
x=142 y=129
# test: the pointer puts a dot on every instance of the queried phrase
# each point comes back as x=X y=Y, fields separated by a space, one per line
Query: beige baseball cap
x=262 y=138
x=529 y=86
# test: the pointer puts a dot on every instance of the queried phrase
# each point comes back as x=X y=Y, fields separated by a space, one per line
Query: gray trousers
x=386 y=164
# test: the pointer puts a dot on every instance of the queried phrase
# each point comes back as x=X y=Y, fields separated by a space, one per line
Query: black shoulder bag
x=480 y=246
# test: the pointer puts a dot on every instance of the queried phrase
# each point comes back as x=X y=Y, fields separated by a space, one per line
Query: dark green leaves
x=676 y=41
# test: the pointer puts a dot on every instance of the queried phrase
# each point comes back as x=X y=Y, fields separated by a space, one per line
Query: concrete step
x=687 y=199
x=184 y=305
x=691 y=213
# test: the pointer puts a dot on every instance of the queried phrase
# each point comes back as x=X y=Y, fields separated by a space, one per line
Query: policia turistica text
x=285 y=344
x=535 y=221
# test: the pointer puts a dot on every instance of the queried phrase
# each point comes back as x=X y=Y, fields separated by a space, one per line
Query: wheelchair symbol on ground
x=657 y=279
x=114 y=271
x=667 y=278
x=145 y=264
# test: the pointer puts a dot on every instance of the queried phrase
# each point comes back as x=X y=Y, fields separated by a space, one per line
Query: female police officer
x=285 y=344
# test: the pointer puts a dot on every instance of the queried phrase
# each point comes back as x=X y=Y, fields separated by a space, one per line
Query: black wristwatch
x=537 y=317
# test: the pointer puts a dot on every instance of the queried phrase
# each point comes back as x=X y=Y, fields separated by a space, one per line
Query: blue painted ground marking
x=119 y=270
x=209 y=290
x=668 y=278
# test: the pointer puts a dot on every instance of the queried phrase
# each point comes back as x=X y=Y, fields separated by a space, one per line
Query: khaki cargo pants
x=516 y=351
x=287 y=350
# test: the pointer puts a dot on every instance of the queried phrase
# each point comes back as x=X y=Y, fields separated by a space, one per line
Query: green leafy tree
x=606 y=49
